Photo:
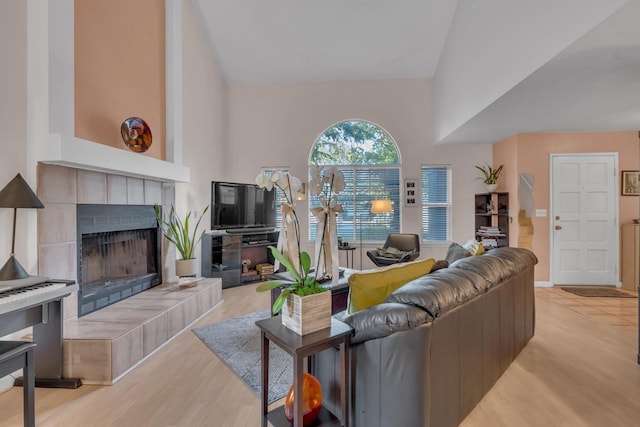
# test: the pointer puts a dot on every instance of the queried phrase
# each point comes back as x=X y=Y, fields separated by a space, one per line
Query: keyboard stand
x=44 y=313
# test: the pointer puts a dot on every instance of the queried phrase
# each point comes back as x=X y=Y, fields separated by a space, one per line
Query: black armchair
x=407 y=243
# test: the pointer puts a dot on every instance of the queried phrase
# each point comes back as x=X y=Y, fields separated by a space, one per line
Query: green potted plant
x=302 y=293
x=490 y=176
x=178 y=232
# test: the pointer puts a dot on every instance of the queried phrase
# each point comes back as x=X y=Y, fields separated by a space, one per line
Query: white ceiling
x=592 y=85
x=258 y=41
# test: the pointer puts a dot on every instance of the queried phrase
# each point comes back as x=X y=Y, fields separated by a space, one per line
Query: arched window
x=370 y=161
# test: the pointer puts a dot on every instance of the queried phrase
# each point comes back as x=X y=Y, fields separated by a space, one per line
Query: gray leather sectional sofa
x=432 y=350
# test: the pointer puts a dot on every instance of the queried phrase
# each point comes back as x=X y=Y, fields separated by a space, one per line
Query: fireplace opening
x=118 y=253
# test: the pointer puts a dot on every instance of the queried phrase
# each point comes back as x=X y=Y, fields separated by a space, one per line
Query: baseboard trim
x=540 y=284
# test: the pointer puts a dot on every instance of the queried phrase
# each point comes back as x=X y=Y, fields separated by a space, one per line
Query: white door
x=584 y=219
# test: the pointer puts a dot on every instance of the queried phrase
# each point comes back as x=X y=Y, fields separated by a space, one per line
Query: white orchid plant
x=326 y=182
x=288 y=252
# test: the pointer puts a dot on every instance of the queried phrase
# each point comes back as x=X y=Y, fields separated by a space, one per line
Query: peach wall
x=533 y=151
x=120 y=69
x=507 y=154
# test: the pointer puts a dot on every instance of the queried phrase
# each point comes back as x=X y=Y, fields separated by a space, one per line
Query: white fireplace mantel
x=82 y=154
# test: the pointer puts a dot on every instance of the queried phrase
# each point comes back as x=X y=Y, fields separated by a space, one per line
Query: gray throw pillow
x=390 y=252
x=456 y=252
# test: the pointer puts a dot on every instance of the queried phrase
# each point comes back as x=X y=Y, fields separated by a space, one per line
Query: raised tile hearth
x=101 y=347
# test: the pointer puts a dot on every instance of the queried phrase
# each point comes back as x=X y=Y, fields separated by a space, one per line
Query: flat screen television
x=238 y=206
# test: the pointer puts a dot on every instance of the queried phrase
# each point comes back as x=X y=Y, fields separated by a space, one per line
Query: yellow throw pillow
x=372 y=287
x=474 y=247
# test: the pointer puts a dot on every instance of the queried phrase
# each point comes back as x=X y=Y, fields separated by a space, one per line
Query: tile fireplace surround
x=61 y=189
x=101 y=347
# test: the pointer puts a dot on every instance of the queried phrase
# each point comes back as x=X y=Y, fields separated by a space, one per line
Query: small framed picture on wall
x=410 y=192
x=629 y=185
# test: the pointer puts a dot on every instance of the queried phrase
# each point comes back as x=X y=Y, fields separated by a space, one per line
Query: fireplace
x=118 y=253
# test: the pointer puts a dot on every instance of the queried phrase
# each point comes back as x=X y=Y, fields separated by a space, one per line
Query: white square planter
x=308 y=314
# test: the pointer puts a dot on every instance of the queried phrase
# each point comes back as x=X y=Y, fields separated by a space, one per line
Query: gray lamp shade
x=18 y=194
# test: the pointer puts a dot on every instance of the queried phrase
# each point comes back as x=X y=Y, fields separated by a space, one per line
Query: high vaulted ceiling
x=258 y=41
x=591 y=84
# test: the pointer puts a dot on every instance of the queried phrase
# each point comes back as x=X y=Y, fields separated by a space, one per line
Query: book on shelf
x=493 y=232
x=489 y=243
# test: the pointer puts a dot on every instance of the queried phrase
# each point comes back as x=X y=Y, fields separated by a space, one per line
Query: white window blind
x=363 y=184
x=436 y=202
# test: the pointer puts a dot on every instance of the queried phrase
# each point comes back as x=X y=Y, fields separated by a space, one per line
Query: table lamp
x=16 y=194
x=377 y=207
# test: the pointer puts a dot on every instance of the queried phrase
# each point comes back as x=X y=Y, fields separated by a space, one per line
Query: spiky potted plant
x=490 y=176
x=178 y=232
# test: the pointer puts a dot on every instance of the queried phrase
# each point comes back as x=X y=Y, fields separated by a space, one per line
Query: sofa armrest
x=384 y=319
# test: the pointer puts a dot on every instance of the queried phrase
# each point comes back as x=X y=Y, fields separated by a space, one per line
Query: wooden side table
x=300 y=347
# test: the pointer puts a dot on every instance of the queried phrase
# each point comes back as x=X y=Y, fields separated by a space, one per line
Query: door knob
x=558 y=227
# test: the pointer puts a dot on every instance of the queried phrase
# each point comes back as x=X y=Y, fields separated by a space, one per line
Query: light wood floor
x=579 y=370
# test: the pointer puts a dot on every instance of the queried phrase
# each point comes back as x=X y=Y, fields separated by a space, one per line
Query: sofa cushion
x=439 y=291
x=492 y=269
x=384 y=319
x=371 y=287
x=519 y=256
x=456 y=252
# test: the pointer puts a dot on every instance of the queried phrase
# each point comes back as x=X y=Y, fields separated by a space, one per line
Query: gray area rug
x=589 y=291
x=237 y=343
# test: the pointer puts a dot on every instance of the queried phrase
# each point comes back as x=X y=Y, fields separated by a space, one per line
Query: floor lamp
x=16 y=194
x=377 y=207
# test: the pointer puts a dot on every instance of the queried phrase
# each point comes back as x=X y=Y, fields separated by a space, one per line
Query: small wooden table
x=300 y=347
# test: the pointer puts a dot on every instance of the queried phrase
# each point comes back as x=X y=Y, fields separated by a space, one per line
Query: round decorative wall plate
x=136 y=134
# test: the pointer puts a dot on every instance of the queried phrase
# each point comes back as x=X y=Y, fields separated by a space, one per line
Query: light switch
x=541 y=212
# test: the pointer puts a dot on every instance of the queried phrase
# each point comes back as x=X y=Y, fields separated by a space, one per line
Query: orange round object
x=311 y=400
x=136 y=134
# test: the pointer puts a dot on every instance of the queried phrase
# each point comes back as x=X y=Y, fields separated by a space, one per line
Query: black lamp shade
x=18 y=194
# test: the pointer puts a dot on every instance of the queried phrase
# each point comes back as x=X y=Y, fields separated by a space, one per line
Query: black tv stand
x=223 y=254
x=249 y=230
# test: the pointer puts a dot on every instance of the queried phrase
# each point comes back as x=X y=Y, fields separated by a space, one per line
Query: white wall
x=276 y=125
x=13 y=122
x=479 y=64
x=204 y=128
x=13 y=133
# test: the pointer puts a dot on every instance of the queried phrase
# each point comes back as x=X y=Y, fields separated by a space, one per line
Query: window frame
x=424 y=204
x=361 y=220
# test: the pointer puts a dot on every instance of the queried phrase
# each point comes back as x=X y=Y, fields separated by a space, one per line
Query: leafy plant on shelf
x=490 y=174
x=178 y=231
x=288 y=252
